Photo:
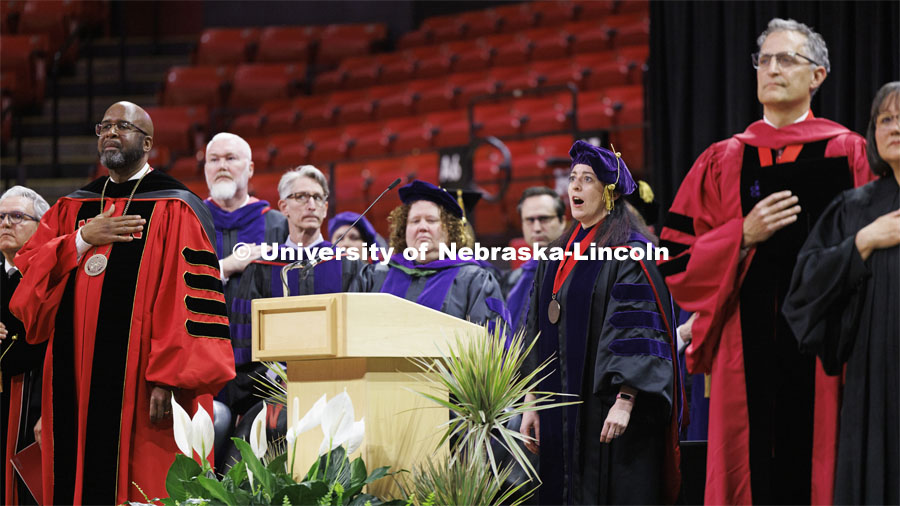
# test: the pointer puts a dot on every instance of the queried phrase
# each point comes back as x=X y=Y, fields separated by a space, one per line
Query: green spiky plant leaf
x=487 y=388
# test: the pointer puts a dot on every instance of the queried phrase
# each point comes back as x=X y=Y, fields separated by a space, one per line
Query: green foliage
x=487 y=389
x=333 y=480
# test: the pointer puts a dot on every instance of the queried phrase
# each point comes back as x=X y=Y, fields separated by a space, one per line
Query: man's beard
x=228 y=188
x=223 y=190
x=119 y=159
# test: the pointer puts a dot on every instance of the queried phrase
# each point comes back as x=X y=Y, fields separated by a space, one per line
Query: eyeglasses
x=542 y=219
x=887 y=120
x=122 y=126
x=784 y=60
x=16 y=217
x=303 y=197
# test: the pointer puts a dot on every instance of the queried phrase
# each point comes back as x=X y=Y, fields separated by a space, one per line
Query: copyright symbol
x=241 y=251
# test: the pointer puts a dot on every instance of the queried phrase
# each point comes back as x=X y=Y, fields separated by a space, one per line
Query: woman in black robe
x=844 y=306
x=611 y=325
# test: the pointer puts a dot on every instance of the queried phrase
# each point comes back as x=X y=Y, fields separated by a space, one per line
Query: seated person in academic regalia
x=345 y=234
x=304 y=201
x=843 y=306
x=428 y=217
x=239 y=218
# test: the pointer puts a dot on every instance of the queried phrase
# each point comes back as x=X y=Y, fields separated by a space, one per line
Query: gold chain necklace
x=96 y=264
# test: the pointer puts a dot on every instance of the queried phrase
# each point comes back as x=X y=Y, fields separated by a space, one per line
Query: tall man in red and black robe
x=734 y=231
x=122 y=280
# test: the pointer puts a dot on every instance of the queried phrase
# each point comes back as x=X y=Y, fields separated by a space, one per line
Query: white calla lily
x=202 y=432
x=352 y=439
x=258 y=442
x=337 y=418
x=181 y=426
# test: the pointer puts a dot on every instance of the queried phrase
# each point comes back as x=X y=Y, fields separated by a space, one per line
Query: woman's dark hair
x=616 y=228
x=888 y=92
x=455 y=228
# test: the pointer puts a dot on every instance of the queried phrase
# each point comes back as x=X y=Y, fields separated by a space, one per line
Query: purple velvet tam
x=604 y=164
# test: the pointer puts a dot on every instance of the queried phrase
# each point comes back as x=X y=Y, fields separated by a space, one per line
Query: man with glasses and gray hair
x=733 y=233
x=21 y=210
x=303 y=193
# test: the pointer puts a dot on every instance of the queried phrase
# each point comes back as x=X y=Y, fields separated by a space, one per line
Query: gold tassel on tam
x=459 y=199
x=608 y=190
x=645 y=192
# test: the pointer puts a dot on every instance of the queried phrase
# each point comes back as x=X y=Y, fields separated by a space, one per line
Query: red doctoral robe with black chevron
x=156 y=315
x=706 y=275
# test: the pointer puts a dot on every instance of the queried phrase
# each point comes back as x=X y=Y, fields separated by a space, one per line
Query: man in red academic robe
x=733 y=233
x=131 y=304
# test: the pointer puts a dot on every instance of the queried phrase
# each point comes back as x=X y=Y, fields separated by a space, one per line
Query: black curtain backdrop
x=701 y=86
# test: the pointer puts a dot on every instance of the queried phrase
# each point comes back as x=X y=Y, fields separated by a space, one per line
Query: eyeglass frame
x=754 y=59
x=3 y=217
x=303 y=197
x=121 y=126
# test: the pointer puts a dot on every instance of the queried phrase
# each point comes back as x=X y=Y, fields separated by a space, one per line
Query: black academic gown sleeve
x=823 y=305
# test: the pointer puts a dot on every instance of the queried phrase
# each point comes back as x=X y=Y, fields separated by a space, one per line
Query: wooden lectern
x=361 y=342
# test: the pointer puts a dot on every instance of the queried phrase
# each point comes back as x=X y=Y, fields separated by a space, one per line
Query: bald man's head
x=125 y=148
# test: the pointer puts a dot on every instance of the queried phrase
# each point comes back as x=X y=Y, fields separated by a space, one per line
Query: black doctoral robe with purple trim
x=615 y=328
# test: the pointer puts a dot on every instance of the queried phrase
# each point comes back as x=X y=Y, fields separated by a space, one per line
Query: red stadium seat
x=498 y=120
x=360 y=71
x=202 y=85
x=226 y=46
x=437 y=94
x=594 y=9
x=514 y=17
x=450 y=128
x=479 y=23
x=395 y=67
x=405 y=102
x=545 y=114
x=635 y=59
x=472 y=55
x=593 y=112
x=340 y=41
x=283 y=115
x=286 y=44
x=384 y=141
x=553 y=13
x=247 y=124
x=259 y=153
x=181 y=129
x=510 y=49
x=444 y=28
x=548 y=43
x=641 y=6
x=325 y=144
x=637 y=33
x=188 y=168
x=329 y=81
x=265 y=187
x=256 y=83
x=56 y=19
x=324 y=112
x=24 y=67
x=415 y=38
x=288 y=150
x=590 y=36
x=598 y=72
x=160 y=157
x=412 y=136
x=536 y=74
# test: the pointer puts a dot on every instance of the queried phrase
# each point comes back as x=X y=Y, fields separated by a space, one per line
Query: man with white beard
x=238 y=216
